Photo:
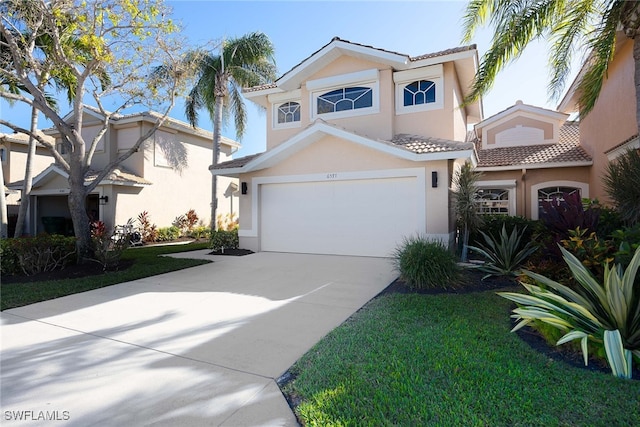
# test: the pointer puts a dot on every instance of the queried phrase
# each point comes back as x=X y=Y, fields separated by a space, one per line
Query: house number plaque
x=332 y=175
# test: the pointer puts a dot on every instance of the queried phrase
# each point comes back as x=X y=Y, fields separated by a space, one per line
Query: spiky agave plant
x=606 y=313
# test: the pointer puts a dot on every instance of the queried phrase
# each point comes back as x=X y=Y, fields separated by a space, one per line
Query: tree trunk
x=4 y=223
x=77 y=208
x=636 y=57
x=465 y=245
x=28 y=177
x=217 y=125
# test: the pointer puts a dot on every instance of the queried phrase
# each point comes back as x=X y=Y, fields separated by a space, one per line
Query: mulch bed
x=232 y=252
x=73 y=271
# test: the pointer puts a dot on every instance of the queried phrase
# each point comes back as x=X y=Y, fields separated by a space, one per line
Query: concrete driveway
x=201 y=346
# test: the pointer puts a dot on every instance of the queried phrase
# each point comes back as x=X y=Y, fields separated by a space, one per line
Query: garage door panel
x=357 y=217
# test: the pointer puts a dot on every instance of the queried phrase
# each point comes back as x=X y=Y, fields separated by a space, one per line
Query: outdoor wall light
x=243 y=187
x=103 y=200
x=434 y=179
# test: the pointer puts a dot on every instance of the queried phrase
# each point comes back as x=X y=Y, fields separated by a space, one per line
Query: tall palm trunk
x=636 y=79
x=28 y=176
x=4 y=223
x=217 y=125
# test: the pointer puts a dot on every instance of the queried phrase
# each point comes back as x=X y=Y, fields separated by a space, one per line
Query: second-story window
x=419 y=92
x=289 y=112
x=3 y=154
x=349 y=98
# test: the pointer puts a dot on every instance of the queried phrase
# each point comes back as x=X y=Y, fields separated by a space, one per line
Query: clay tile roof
x=532 y=154
x=423 y=144
x=260 y=87
x=119 y=175
x=444 y=52
x=236 y=163
x=626 y=141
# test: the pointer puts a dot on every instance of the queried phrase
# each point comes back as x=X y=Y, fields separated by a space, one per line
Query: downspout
x=523 y=178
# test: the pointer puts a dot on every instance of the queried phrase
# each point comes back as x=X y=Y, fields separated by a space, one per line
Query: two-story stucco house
x=529 y=154
x=167 y=177
x=362 y=144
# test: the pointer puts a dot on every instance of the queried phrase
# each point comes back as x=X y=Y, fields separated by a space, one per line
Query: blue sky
x=299 y=28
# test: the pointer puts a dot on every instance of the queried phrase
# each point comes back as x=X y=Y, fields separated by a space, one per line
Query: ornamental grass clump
x=504 y=254
x=425 y=264
x=605 y=312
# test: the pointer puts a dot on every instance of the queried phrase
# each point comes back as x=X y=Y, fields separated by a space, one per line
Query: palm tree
x=570 y=25
x=466 y=205
x=243 y=62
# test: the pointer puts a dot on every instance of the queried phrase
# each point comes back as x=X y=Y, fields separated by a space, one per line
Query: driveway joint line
x=144 y=347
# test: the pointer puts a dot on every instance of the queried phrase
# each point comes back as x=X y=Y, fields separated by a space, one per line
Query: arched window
x=493 y=201
x=289 y=112
x=556 y=193
x=349 y=98
x=419 y=92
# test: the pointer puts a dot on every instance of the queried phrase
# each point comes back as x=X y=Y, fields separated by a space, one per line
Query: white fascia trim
x=413 y=74
x=534 y=166
x=501 y=183
x=533 y=112
x=343 y=79
x=122 y=184
x=336 y=49
x=56 y=192
x=617 y=152
x=50 y=169
x=281 y=97
x=319 y=130
x=418 y=173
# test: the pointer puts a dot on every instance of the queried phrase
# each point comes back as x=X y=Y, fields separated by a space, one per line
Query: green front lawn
x=449 y=360
x=147 y=262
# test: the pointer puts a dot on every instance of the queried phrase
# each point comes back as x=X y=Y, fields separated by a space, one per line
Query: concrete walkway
x=196 y=347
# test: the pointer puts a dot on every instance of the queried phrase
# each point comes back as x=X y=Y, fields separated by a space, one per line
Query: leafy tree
x=466 y=206
x=570 y=25
x=243 y=62
x=106 y=50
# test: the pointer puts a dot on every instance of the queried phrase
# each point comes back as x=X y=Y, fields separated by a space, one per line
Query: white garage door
x=367 y=217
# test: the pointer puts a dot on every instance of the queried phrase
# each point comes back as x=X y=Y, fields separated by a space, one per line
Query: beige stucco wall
x=448 y=122
x=613 y=118
x=13 y=168
x=174 y=192
x=528 y=178
x=320 y=158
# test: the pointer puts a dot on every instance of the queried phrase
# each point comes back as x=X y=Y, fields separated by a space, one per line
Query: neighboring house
x=362 y=144
x=528 y=154
x=611 y=127
x=13 y=154
x=167 y=177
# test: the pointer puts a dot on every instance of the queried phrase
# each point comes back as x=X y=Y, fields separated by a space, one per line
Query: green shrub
x=504 y=254
x=8 y=258
x=222 y=239
x=493 y=225
x=626 y=241
x=425 y=264
x=108 y=247
x=44 y=252
x=606 y=312
x=200 y=232
x=166 y=234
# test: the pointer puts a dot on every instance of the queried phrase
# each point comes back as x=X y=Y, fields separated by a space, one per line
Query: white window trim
x=434 y=73
x=289 y=125
x=507 y=184
x=375 y=101
x=583 y=187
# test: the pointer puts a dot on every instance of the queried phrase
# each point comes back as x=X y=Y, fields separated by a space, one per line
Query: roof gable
x=409 y=147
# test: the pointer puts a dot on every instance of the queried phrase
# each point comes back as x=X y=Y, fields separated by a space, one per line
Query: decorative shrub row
x=31 y=255
x=223 y=239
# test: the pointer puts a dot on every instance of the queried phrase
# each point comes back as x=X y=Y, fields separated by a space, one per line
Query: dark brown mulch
x=73 y=271
x=232 y=252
